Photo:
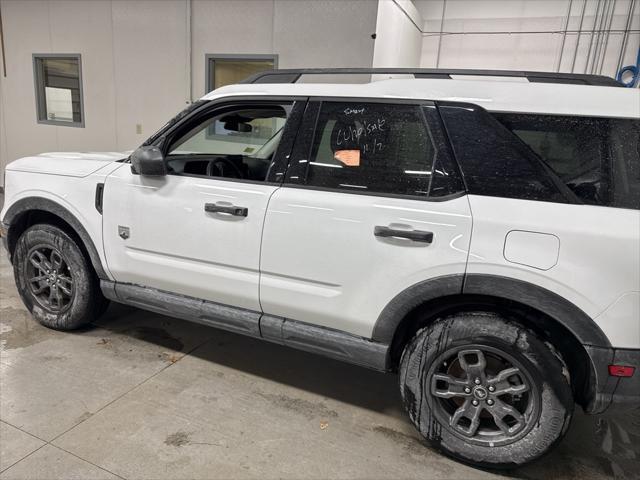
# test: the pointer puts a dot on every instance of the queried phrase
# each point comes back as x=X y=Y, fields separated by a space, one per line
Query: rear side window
x=597 y=158
x=379 y=148
x=493 y=161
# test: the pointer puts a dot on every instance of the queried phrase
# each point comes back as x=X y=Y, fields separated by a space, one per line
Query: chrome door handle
x=228 y=209
x=415 y=235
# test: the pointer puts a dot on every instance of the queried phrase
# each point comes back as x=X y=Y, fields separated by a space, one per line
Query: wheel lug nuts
x=489 y=402
x=492 y=388
x=475 y=403
x=467 y=390
x=477 y=381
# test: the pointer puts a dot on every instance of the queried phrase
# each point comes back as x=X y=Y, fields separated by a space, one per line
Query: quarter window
x=58 y=83
x=495 y=162
x=374 y=148
x=597 y=158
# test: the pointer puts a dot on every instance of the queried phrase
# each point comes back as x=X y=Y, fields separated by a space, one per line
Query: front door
x=197 y=230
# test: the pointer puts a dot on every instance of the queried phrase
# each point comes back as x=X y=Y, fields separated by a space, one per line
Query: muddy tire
x=55 y=280
x=486 y=390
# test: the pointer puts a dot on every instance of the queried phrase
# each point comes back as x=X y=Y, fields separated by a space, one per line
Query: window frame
x=308 y=129
x=209 y=78
x=40 y=95
x=164 y=139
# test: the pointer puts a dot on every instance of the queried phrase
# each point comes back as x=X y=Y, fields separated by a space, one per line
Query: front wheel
x=55 y=280
x=486 y=390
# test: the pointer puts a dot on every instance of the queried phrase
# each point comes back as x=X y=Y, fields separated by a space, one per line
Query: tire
x=55 y=280
x=470 y=412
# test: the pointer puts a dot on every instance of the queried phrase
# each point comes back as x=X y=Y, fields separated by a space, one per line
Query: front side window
x=237 y=142
x=58 y=85
x=374 y=148
x=597 y=158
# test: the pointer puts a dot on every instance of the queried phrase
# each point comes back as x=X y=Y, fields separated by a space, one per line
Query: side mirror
x=148 y=161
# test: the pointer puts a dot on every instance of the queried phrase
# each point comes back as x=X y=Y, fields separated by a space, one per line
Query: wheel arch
x=557 y=320
x=32 y=210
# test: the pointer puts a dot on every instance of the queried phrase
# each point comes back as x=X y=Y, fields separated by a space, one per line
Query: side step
x=292 y=333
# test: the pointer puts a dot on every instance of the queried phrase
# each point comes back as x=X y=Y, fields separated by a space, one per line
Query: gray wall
x=135 y=58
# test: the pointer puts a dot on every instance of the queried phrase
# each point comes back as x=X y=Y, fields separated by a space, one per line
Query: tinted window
x=378 y=148
x=495 y=162
x=597 y=158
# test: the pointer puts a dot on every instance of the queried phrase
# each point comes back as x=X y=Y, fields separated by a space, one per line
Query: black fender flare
x=397 y=309
x=581 y=325
x=28 y=204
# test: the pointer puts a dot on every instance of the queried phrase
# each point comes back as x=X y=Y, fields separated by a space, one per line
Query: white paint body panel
x=72 y=164
x=499 y=96
x=74 y=193
x=322 y=264
x=597 y=263
x=178 y=247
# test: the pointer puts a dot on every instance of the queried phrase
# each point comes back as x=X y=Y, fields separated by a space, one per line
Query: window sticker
x=351 y=158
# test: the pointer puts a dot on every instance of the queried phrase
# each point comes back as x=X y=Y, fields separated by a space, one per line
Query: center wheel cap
x=480 y=393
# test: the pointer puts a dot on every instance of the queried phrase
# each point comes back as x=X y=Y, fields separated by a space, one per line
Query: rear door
x=372 y=204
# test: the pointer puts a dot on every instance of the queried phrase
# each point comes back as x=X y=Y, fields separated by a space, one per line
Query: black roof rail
x=293 y=75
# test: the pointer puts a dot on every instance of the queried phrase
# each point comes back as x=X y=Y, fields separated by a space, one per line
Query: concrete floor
x=139 y=395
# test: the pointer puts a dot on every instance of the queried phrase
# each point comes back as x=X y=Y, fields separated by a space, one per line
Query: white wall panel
x=398 y=42
x=85 y=28
x=149 y=51
x=532 y=51
x=229 y=26
x=24 y=135
x=324 y=33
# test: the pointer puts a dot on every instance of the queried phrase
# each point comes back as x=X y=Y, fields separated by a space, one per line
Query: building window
x=228 y=69
x=58 y=82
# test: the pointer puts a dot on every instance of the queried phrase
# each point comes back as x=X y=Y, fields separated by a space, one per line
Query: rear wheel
x=486 y=390
x=55 y=280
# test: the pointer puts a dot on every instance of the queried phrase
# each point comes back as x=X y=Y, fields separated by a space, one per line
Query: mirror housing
x=148 y=161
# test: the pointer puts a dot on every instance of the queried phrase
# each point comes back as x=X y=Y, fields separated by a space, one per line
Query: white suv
x=479 y=236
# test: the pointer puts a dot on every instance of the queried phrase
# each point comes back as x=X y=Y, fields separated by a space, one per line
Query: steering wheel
x=223 y=167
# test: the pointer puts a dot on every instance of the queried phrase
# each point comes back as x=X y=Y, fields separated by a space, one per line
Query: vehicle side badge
x=123 y=232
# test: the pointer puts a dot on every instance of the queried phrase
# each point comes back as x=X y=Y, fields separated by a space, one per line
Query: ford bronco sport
x=480 y=236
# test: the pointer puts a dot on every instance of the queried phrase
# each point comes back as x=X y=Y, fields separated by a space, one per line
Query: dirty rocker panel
x=292 y=333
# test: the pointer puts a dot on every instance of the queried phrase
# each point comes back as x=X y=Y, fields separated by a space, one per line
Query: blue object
x=635 y=73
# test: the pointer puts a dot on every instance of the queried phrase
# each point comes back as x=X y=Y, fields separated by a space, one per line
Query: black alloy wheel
x=483 y=394
x=49 y=278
